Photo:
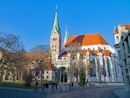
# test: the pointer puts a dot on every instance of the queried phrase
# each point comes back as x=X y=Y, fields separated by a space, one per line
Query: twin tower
x=55 y=38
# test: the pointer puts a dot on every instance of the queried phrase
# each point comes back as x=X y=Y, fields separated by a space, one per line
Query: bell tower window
x=54 y=39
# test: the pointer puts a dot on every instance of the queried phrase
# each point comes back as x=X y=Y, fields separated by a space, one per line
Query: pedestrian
x=36 y=83
x=42 y=89
x=72 y=85
x=56 y=85
x=47 y=85
x=87 y=83
x=52 y=87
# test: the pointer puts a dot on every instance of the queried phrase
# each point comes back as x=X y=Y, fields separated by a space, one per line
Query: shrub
x=28 y=80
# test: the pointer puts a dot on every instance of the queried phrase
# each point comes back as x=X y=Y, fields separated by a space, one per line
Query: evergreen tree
x=81 y=78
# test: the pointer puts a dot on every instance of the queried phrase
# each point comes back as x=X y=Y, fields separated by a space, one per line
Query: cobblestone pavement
x=105 y=92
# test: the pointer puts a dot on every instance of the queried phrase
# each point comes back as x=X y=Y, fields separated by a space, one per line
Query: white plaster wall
x=95 y=46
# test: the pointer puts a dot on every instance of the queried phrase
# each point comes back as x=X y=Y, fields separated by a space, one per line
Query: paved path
x=121 y=93
x=85 y=93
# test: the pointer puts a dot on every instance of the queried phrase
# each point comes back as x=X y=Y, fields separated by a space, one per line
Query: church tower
x=55 y=38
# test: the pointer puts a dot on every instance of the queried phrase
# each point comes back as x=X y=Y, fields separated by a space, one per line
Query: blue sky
x=33 y=20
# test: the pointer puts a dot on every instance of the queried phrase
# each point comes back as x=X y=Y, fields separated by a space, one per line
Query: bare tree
x=10 y=45
x=42 y=54
x=73 y=49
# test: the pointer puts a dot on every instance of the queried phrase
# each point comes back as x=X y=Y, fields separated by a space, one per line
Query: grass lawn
x=17 y=84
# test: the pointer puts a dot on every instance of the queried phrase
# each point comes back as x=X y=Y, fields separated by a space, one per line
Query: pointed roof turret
x=66 y=36
x=56 y=23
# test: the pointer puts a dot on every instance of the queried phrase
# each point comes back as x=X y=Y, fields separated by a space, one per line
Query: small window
x=117 y=38
x=54 y=39
x=47 y=77
x=52 y=46
x=55 y=45
x=47 y=72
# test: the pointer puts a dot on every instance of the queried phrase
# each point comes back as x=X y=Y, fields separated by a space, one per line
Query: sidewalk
x=122 y=93
x=16 y=89
x=66 y=88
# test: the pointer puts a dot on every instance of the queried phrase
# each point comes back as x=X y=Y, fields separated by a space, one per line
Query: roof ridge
x=85 y=34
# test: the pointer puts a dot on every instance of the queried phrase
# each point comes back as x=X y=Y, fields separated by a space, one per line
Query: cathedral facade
x=98 y=57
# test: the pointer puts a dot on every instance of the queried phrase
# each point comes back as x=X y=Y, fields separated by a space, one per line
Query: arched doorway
x=63 y=74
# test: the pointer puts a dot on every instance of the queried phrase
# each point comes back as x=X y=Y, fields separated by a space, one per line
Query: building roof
x=32 y=56
x=87 y=39
x=116 y=31
x=48 y=66
x=127 y=26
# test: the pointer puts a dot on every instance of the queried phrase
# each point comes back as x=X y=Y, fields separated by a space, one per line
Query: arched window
x=104 y=70
x=94 y=68
x=108 y=67
x=121 y=38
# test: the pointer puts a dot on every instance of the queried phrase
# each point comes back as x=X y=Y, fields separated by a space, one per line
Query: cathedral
x=97 y=55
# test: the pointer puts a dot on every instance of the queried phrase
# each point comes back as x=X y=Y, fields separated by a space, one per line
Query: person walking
x=56 y=85
x=36 y=83
x=52 y=87
x=42 y=89
x=72 y=85
x=47 y=85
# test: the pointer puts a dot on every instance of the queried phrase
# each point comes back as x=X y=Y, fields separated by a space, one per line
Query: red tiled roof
x=87 y=39
x=127 y=26
x=106 y=52
x=47 y=66
x=32 y=56
x=116 y=32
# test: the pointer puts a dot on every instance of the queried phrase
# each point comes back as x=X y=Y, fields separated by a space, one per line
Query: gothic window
x=52 y=46
x=108 y=67
x=119 y=53
x=104 y=70
x=55 y=45
x=94 y=68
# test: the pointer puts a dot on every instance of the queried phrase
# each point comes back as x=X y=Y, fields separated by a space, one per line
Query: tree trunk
x=1 y=77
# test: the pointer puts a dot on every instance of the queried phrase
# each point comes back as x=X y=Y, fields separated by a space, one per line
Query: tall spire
x=56 y=7
x=66 y=36
x=56 y=23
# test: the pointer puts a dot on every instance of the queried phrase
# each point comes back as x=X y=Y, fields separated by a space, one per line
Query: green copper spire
x=66 y=36
x=56 y=23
